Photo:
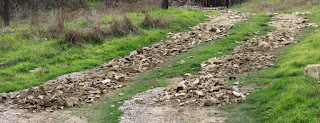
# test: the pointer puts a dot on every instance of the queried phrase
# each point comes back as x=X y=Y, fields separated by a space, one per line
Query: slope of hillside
x=30 y=58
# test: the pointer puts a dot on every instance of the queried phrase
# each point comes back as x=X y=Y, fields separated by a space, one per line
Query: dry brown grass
x=60 y=20
x=134 y=5
x=58 y=23
x=51 y=24
x=98 y=30
x=93 y=33
x=150 y=22
x=74 y=37
x=280 y=5
x=120 y=28
x=129 y=27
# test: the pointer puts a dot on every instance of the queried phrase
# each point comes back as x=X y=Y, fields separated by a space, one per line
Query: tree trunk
x=6 y=13
x=165 y=4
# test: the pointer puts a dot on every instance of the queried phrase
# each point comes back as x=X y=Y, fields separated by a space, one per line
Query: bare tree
x=165 y=4
x=5 y=12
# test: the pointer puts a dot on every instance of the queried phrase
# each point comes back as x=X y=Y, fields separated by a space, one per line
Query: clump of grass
x=98 y=31
x=150 y=22
x=74 y=37
x=57 y=29
x=129 y=27
x=121 y=28
x=68 y=37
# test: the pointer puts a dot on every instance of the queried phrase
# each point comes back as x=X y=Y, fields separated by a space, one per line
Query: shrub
x=121 y=28
x=150 y=22
x=73 y=37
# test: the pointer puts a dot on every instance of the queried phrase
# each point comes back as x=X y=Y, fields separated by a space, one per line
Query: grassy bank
x=103 y=112
x=21 y=50
x=291 y=97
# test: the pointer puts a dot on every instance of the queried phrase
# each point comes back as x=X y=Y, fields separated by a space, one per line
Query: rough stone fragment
x=181 y=61
x=200 y=93
x=3 y=110
x=211 y=101
x=120 y=78
x=236 y=93
x=69 y=103
x=181 y=86
x=106 y=81
x=313 y=71
x=140 y=50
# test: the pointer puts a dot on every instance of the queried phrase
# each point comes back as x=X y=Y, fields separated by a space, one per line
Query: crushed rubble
x=209 y=86
x=90 y=86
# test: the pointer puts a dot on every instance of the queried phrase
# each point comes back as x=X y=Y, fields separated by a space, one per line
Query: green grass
x=292 y=97
x=103 y=112
x=22 y=52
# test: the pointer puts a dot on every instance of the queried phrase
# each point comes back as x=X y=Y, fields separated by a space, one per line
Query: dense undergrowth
x=289 y=96
x=22 y=50
x=105 y=112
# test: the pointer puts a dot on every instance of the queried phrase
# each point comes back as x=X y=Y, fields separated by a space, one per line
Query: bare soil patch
x=145 y=111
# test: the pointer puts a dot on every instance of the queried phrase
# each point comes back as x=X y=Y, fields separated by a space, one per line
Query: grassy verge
x=22 y=52
x=103 y=112
x=292 y=97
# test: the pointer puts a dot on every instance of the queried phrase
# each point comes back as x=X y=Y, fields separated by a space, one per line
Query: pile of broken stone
x=210 y=88
x=73 y=91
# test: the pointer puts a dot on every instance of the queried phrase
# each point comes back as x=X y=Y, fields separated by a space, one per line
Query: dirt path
x=141 y=109
x=83 y=88
x=143 y=112
x=23 y=116
x=180 y=102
